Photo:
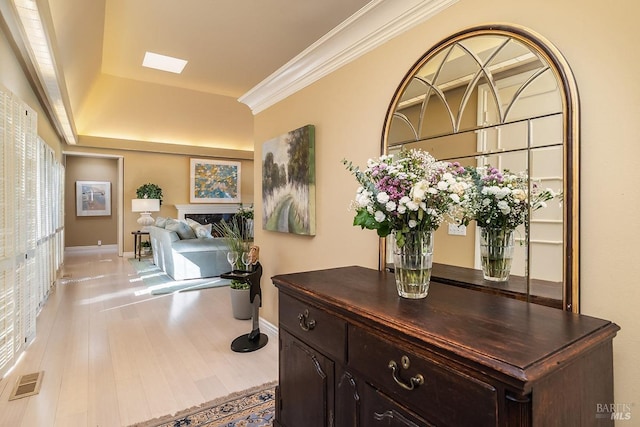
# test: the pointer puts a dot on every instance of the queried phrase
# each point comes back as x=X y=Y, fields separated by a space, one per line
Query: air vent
x=27 y=385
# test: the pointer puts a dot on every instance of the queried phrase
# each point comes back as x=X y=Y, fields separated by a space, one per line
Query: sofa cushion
x=161 y=222
x=181 y=228
x=192 y=222
x=203 y=231
x=200 y=230
x=200 y=245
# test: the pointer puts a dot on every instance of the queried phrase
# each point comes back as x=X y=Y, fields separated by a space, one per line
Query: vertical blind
x=31 y=225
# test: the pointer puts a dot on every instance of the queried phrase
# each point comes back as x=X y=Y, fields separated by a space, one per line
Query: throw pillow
x=200 y=230
x=203 y=231
x=161 y=222
x=180 y=227
x=192 y=223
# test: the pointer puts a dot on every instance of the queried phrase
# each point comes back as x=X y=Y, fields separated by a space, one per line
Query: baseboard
x=92 y=249
x=268 y=327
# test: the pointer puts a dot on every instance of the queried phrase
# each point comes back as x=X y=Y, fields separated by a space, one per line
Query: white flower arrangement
x=502 y=199
x=408 y=191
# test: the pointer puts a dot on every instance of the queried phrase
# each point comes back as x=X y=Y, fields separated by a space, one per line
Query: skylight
x=163 y=63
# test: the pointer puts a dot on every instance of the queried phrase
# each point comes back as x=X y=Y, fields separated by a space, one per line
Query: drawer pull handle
x=305 y=324
x=413 y=381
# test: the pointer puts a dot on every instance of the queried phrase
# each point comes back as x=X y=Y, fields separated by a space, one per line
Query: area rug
x=250 y=408
x=158 y=282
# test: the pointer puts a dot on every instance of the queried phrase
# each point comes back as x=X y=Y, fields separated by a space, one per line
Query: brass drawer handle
x=305 y=324
x=413 y=381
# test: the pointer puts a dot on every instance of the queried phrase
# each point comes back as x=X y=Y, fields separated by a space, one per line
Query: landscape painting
x=288 y=182
x=214 y=181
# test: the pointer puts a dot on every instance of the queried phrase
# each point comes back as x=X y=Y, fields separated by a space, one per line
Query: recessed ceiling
x=243 y=56
x=231 y=46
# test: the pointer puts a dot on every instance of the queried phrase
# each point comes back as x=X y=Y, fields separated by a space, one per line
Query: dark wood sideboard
x=352 y=353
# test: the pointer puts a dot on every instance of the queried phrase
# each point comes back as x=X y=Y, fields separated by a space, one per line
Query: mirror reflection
x=489 y=98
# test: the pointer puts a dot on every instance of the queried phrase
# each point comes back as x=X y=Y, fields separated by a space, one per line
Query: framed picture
x=93 y=198
x=288 y=182
x=214 y=181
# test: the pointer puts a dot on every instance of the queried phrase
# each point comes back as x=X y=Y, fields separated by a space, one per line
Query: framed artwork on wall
x=288 y=182
x=214 y=181
x=93 y=198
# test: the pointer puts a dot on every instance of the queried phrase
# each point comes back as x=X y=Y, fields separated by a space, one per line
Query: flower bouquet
x=409 y=194
x=501 y=202
x=245 y=217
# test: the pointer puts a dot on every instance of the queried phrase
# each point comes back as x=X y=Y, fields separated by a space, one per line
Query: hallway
x=112 y=354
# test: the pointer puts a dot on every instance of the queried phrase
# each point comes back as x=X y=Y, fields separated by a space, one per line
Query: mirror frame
x=571 y=135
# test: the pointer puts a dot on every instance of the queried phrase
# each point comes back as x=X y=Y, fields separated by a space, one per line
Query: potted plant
x=149 y=191
x=233 y=236
x=146 y=247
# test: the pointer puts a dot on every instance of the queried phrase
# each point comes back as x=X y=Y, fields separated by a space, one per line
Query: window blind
x=31 y=227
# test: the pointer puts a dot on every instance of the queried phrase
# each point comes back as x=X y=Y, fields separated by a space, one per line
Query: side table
x=137 y=243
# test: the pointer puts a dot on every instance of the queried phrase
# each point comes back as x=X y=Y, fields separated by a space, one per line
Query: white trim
x=376 y=23
x=268 y=327
x=88 y=154
x=120 y=205
x=31 y=27
x=93 y=249
x=545 y=221
x=119 y=189
x=208 y=208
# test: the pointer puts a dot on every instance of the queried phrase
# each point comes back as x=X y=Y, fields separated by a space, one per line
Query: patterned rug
x=249 y=408
x=159 y=283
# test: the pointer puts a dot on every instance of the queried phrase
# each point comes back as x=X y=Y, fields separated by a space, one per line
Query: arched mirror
x=500 y=96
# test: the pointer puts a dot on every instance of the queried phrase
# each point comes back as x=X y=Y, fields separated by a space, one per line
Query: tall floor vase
x=413 y=262
x=496 y=253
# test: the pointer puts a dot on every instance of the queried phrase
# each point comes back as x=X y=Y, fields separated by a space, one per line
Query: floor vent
x=27 y=385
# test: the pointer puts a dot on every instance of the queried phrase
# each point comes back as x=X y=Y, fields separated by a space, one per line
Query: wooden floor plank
x=113 y=358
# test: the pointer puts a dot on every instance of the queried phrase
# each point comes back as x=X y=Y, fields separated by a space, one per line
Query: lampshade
x=145 y=207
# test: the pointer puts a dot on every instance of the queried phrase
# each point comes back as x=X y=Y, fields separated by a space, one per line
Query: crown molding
x=376 y=23
x=30 y=27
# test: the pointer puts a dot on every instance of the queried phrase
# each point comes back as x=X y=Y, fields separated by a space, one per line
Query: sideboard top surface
x=508 y=335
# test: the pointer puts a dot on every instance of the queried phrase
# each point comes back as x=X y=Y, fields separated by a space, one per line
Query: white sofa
x=191 y=258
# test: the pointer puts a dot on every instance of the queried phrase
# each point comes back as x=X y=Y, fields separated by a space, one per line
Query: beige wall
x=87 y=230
x=348 y=107
x=168 y=170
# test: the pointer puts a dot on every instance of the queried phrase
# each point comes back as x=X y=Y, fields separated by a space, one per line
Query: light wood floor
x=112 y=357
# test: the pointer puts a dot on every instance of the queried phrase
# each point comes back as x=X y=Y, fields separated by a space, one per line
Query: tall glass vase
x=496 y=253
x=413 y=263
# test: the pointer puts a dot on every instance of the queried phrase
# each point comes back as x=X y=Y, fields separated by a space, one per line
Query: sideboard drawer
x=314 y=326
x=443 y=396
x=378 y=410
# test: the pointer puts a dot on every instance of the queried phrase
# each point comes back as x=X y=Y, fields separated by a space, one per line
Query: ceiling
x=243 y=56
x=230 y=46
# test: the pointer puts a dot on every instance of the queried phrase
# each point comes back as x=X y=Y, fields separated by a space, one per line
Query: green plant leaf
x=149 y=191
x=365 y=220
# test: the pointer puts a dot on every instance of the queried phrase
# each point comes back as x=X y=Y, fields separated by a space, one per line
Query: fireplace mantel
x=204 y=208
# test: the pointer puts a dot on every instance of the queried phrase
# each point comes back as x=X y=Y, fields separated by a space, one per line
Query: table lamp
x=145 y=207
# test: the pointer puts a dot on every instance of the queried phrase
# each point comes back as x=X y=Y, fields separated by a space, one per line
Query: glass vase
x=413 y=263
x=496 y=253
